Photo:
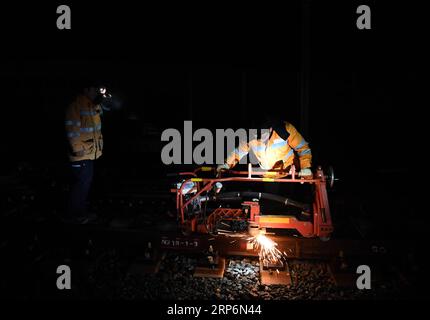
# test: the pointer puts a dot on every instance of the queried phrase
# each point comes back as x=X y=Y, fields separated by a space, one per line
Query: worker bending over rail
x=275 y=149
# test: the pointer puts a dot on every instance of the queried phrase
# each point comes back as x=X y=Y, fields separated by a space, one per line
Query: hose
x=237 y=196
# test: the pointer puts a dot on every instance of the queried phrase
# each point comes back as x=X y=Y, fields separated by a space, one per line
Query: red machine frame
x=320 y=225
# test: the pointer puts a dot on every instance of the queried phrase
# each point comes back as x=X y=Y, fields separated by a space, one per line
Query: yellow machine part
x=274 y=219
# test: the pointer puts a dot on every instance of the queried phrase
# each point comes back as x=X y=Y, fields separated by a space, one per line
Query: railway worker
x=276 y=148
x=85 y=140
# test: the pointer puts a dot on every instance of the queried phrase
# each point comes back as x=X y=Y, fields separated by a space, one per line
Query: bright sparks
x=268 y=248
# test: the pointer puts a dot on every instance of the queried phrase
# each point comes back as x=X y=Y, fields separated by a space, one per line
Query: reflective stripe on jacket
x=276 y=153
x=83 y=129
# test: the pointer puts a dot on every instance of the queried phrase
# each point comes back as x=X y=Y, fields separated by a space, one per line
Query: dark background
x=354 y=94
x=350 y=92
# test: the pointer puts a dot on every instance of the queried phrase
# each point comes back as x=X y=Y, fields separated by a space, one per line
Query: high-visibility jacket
x=83 y=129
x=275 y=153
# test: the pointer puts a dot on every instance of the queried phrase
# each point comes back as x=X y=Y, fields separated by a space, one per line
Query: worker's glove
x=221 y=167
x=306 y=173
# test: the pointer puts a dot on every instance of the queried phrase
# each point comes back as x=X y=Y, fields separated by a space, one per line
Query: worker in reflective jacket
x=83 y=130
x=275 y=149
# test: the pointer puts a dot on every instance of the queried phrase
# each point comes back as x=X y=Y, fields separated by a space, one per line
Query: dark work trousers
x=81 y=179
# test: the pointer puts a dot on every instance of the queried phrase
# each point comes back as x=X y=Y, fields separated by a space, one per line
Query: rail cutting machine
x=202 y=205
